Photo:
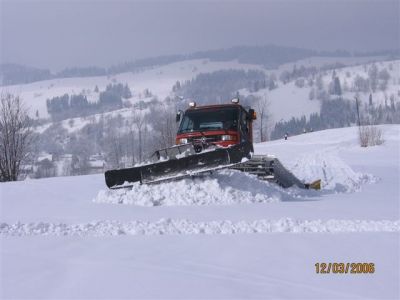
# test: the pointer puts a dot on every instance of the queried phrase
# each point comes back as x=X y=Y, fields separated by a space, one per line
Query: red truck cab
x=222 y=125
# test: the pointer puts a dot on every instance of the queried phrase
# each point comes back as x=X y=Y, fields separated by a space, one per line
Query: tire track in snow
x=187 y=227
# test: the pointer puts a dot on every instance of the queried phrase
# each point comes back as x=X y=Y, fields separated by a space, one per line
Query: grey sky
x=57 y=34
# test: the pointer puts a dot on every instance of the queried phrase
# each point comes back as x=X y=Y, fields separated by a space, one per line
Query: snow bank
x=335 y=174
x=227 y=187
x=223 y=188
x=187 y=227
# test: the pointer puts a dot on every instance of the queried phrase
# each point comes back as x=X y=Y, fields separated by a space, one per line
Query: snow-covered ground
x=221 y=236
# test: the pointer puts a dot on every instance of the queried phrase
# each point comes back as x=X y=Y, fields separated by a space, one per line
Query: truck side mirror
x=178 y=116
x=252 y=114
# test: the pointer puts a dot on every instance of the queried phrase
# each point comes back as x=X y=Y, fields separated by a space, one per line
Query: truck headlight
x=227 y=137
x=183 y=141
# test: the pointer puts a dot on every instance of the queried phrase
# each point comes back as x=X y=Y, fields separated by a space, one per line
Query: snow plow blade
x=177 y=162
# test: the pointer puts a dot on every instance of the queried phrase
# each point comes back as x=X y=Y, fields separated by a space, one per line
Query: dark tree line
x=66 y=106
x=17 y=74
x=338 y=113
x=269 y=56
x=296 y=72
x=220 y=86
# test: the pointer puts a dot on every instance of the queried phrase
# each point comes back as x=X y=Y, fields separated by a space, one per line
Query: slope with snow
x=159 y=80
x=222 y=236
x=289 y=100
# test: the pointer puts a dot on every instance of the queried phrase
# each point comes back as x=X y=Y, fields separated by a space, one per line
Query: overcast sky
x=56 y=34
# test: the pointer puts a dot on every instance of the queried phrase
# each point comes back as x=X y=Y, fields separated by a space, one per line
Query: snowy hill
x=227 y=235
x=160 y=80
x=295 y=100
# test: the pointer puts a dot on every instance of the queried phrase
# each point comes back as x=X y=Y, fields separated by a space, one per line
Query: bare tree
x=264 y=117
x=165 y=124
x=113 y=143
x=368 y=134
x=171 y=126
x=46 y=168
x=15 y=137
x=139 y=122
x=131 y=144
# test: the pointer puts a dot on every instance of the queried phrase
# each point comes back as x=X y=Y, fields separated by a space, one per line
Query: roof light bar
x=192 y=104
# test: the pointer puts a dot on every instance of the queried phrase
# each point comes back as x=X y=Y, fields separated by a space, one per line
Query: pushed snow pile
x=223 y=188
x=335 y=174
x=187 y=227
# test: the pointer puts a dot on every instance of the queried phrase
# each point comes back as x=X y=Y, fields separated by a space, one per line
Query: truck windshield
x=210 y=119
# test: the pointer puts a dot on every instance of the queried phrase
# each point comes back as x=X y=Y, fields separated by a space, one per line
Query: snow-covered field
x=223 y=236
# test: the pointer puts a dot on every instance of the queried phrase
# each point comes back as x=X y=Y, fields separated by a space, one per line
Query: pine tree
x=373 y=77
x=335 y=87
x=126 y=93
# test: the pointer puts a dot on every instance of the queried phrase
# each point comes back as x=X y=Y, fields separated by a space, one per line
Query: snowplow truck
x=209 y=138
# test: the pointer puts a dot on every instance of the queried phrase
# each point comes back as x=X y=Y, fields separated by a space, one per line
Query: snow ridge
x=187 y=227
x=226 y=187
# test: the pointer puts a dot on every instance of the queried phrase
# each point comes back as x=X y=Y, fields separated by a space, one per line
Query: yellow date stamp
x=344 y=268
